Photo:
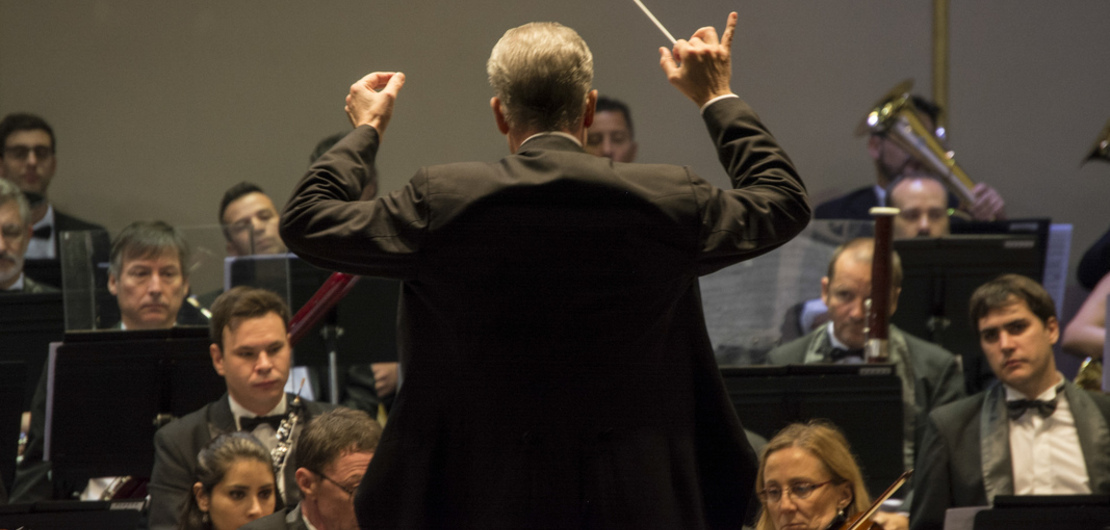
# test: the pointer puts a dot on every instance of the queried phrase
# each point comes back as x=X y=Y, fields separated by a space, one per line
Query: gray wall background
x=160 y=106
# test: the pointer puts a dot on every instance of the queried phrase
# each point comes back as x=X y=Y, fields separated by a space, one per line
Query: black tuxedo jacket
x=175 y=457
x=955 y=468
x=557 y=368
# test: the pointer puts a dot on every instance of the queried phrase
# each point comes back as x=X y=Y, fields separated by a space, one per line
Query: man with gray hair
x=148 y=274
x=557 y=368
x=332 y=455
x=15 y=236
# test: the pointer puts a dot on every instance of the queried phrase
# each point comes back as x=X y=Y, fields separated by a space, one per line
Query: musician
x=922 y=203
x=892 y=161
x=250 y=349
x=250 y=221
x=555 y=292
x=148 y=276
x=29 y=159
x=333 y=453
x=611 y=135
x=15 y=236
x=1045 y=436
x=809 y=480
x=930 y=374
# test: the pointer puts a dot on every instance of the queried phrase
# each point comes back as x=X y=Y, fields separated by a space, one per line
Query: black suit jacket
x=557 y=368
x=954 y=469
x=175 y=457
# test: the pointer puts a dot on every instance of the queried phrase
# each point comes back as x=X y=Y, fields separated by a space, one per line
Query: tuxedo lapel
x=220 y=419
x=994 y=441
x=1094 y=437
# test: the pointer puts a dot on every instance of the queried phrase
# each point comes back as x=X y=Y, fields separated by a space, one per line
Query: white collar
x=552 y=133
x=832 y=338
x=47 y=220
x=18 y=285
x=238 y=410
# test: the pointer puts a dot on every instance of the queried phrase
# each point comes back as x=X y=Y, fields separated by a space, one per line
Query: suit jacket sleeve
x=767 y=205
x=381 y=237
x=931 y=481
x=171 y=481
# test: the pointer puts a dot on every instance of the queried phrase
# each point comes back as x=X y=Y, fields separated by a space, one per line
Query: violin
x=862 y=520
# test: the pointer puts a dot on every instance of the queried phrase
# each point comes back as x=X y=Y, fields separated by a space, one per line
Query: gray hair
x=541 y=72
x=142 y=239
x=11 y=192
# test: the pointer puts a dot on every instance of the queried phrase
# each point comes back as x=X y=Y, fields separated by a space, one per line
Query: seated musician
x=15 y=236
x=922 y=202
x=332 y=453
x=1037 y=443
x=149 y=276
x=930 y=374
x=808 y=480
x=250 y=349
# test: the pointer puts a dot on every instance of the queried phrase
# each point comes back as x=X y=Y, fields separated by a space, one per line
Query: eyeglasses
x=799 y=491
x=22 y=152
x=350 y=491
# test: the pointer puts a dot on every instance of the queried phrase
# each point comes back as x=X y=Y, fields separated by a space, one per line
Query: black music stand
x=863 y=400
x=1035 y=512
x=28 y=324
x=12 y=380
x=939 y=276
x=71 y=515
x=109 y=391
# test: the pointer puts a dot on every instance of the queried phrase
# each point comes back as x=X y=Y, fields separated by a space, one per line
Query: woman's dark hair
x=212 y=464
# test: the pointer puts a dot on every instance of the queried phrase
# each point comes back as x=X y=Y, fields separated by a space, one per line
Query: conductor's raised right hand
x=371 y=99
x=701 y=67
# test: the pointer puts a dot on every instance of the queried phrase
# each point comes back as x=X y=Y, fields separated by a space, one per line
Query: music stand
x=109 y=391
x=69 y=515
x=1034 y=512
x=863 y=400
x=939 y=276
x=12 y=380
x=28 y=324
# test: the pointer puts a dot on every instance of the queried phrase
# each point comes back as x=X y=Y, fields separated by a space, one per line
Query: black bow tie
x=249 y=424
x=836 y=354
x=42 y=232
x=1018 y=407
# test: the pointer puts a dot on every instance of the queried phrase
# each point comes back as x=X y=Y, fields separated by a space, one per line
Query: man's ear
x=306 y=481
x=499 y=115
x=591 y=108
x=825 y=290
x=112 y=285
x=217 y=358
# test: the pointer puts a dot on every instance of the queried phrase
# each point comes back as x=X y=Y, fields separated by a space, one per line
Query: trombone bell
x=894 y=117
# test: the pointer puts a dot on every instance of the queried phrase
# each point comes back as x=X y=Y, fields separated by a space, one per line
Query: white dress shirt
x=1045 y=452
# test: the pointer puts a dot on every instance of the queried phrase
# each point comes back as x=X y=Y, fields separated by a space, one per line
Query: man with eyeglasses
x=28 y=159
x=333 y=453
x=250 y=350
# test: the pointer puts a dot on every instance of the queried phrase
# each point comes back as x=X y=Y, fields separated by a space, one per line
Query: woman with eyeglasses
x=235 y=485
x=809 y=480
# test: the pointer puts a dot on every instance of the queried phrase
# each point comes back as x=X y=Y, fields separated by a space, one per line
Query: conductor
x=557 y=368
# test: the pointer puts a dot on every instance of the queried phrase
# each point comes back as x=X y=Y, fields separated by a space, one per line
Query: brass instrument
x=1101 y=149
x=893 y=117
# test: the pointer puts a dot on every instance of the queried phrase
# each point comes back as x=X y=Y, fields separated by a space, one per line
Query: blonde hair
x=823 y=440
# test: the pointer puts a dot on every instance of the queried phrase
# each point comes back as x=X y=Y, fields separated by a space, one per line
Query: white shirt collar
x=238 y=410
x=832 y=338
x=18 y=285
x=880 y=195
x=553 y=133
